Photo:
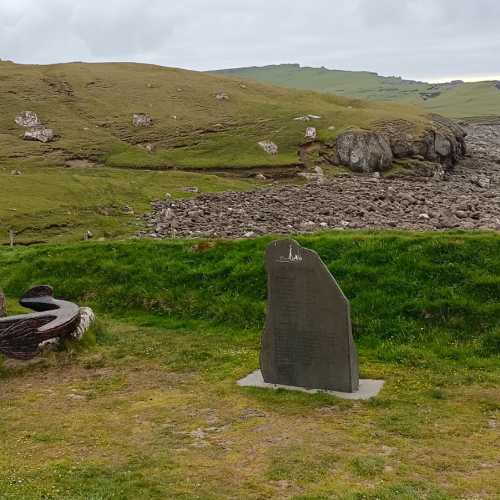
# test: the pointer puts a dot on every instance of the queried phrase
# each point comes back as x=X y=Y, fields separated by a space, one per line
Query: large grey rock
x=40 y=134
x=307 y=341
x=443 y=141
x=28 y=119
x=364 y=151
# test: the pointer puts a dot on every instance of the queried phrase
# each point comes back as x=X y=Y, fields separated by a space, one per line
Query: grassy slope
x=151 y=410
x=91 y=107
x=465 y=100
x=60 y=204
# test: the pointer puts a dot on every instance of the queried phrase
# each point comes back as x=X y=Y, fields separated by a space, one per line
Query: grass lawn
x=147 y=406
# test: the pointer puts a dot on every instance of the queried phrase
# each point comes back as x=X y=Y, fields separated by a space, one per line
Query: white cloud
x=414 y=38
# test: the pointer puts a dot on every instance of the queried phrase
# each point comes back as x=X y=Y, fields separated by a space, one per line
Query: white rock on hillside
x=142 y=120
x=28 y=119
x=311 y=133
x=40 y=134
x=269 y=147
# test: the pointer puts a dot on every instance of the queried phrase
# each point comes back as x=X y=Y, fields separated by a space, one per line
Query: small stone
x=142 y=120
x=88 y=235
x=222 y=96
x=28 y=119
x=269 y=147
x=261 y=177
x=15 y=172
x=482 y=181
x=249 y=234
x=424 y=217
x=311 y=133
x=192 y=189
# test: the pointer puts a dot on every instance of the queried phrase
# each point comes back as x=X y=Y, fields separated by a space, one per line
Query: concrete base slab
x=367 y=388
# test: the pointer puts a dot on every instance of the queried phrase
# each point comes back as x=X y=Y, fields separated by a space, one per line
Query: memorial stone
x=307 y=341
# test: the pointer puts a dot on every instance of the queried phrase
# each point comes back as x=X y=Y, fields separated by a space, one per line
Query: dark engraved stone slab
x=307 y=341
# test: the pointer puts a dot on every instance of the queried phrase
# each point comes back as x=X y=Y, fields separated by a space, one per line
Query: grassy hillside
x=148 y=406
x=456 y=100
x=91 y=105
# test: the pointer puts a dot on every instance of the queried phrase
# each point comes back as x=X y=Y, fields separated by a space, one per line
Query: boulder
x=40 y=134
x=28 y=119
x=363 y=151
x=443 y=141
x=269 y=147
x=142 y=120
x=311 y=133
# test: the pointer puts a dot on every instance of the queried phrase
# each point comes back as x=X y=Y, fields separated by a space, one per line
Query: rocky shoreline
x=467 y=197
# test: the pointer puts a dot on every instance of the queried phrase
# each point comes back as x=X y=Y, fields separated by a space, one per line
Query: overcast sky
x=421 y=39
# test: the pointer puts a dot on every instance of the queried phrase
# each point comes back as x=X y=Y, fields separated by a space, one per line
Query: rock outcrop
x=40 y=134
x=363 y=151
x=142 y=120
x=443 y=144
x=28 y=119
x=311 y=134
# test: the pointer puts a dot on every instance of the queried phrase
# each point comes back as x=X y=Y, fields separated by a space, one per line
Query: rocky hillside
x=455 y=99
x=143 y=116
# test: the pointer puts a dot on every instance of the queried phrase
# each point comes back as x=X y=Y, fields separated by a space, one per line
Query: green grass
x=58 y=204
x=147 y=406
x=91 y=106
x=456 y=101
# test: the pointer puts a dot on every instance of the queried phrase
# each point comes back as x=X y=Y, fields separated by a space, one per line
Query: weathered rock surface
x=356 y=201
x=142 y=120
x=40 y=134
x=364 y=151
x=28 y=119
x=269 y=147
x=311 y=133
